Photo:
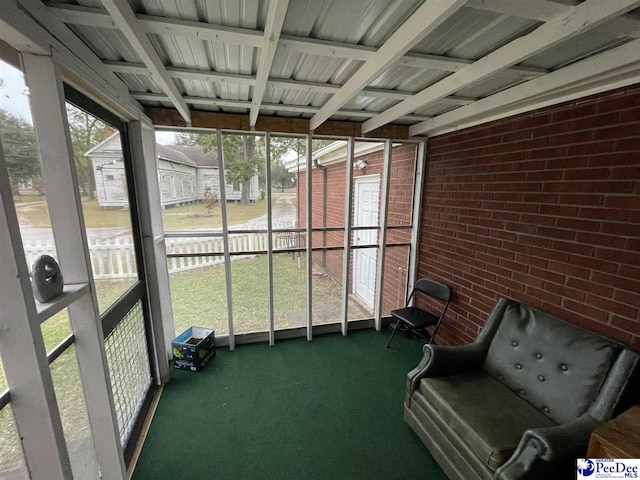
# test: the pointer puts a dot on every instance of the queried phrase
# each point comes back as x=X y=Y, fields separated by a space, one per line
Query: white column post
x=309 y=242
x=65 y=210
x=416 y=212
x=23 y=353
x=346 y=255
x=267 y=139
x=143 y=152
x=225 y=236
x=382 y=238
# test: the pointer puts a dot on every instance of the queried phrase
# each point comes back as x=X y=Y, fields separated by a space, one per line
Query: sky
x=14 y=98
x=165 y=138
x=13 y=92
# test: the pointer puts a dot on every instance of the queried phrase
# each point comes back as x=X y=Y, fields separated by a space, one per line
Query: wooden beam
x=30 y=33
x=240 y=79
x=275 y=20
x=97 y=17
x=20 y=31
x=126 y=20
x=24 y=355
x=544 y=10
x=582 y=18
x=499 y=104
x=276 y=107
x=70 y=40
x=57 y=164
x=10 y=55
x=541 y=10
x=168 y=117
x=422 y=22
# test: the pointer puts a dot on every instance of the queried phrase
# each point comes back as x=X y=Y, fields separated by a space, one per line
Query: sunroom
x=301 y=184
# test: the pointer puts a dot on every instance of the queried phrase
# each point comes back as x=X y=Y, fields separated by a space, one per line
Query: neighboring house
x=328 y=175
x=184 y=173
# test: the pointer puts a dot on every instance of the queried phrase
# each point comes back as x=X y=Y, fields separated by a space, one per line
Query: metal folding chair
x=415 y=319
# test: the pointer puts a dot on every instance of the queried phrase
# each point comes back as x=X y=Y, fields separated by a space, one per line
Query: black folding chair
x=415 y=319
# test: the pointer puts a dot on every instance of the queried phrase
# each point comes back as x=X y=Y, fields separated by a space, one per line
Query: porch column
x=24 y=356
x=418 y=187
x=143 y=152
x=382 y=237
x=65 y=210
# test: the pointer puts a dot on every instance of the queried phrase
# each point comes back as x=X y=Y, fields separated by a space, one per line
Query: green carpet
x=326 y=409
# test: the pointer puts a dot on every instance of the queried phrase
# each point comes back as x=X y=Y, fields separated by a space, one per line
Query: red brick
x=556 y=233
x=585 y=310
x=625 y=324
x=554 y=223
x=626 y=201
x=587 y=174
x=593 y=263
x=570 y=270
x=578 y=224
x=610 y=306
x=581 y=199
x=597 y=239
x=630 y=283
x=632 y=299
x=590 y=287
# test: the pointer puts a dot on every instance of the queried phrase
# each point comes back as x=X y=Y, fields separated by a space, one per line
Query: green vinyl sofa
x=520 y=402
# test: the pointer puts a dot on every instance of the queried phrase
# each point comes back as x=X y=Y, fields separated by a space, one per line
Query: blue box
x=193 y=348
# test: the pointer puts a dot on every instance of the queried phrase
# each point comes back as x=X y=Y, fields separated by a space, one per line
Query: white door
x=366 y=215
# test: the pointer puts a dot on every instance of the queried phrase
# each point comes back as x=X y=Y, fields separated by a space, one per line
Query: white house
x=184 y=173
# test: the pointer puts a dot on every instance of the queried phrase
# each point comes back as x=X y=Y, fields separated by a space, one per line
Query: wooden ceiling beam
x=169 y=117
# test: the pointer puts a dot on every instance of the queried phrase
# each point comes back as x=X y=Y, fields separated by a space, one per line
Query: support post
x=65 y=210
x=416 y=212
x=309 y=239
x=225 y=237
x=23 y=353
x=348 y=217
x=145 y=171
x=382 y=238
x=267 y=140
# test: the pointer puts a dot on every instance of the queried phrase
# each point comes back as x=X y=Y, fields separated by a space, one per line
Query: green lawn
x=28 y=198
x=184 y=217
x=199 y=296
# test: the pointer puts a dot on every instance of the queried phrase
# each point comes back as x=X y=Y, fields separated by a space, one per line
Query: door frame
x=111 y=318
x=372 y=178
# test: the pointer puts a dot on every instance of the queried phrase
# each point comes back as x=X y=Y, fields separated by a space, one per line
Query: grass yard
x=199 y=296
x=184 y=217
x=28 y=198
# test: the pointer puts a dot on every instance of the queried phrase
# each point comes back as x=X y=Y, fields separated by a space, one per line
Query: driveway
x=284 y=212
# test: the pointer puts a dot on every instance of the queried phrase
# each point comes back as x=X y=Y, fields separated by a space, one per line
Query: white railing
x=115 y=258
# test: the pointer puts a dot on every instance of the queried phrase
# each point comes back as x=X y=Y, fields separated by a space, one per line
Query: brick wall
x=400 y=204
x=544 y=208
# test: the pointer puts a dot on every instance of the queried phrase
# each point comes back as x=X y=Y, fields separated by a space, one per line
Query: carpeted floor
x=326 y=409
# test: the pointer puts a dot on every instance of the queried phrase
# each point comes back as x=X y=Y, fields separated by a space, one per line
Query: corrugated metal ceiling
x=468 y=34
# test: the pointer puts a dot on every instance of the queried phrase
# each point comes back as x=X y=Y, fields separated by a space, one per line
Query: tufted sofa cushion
x=488 y=417
x=557 y=367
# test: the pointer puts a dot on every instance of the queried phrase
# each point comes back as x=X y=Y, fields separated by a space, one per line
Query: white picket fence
x=114 y=258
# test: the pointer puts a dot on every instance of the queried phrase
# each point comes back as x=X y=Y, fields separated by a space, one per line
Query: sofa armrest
x=557 y=447
x=439 y=360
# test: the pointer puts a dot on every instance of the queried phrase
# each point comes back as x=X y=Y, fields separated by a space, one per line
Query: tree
x=244 y=156
x=20 y=150
x=210 y=200
x=86 y=132
x=281 y=177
